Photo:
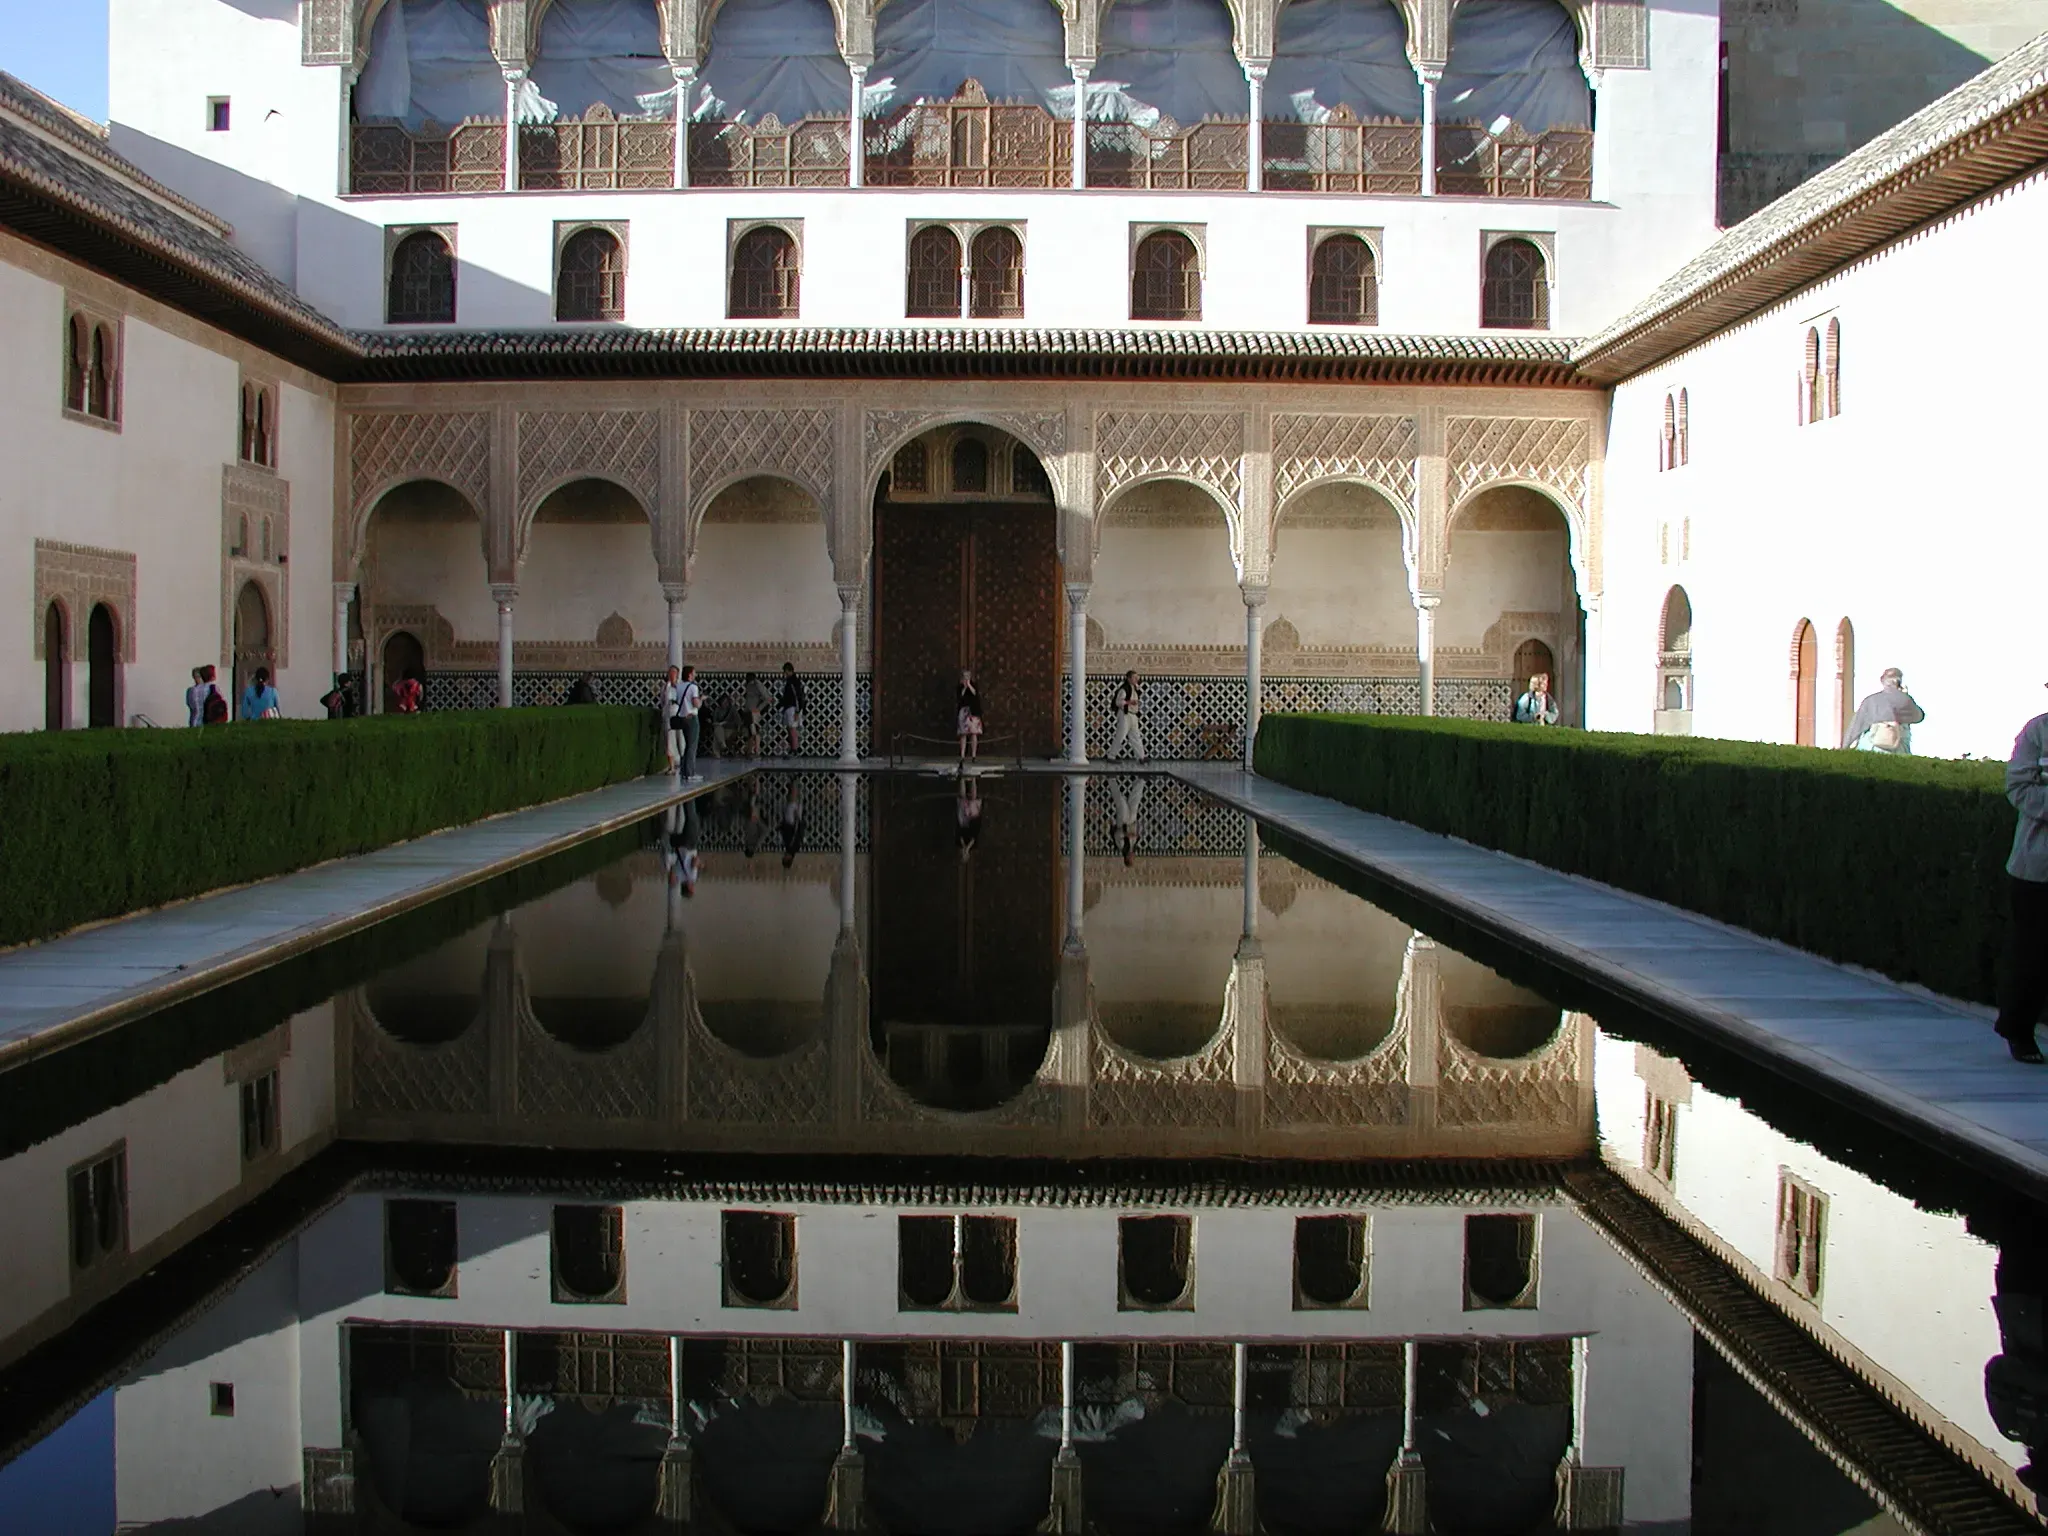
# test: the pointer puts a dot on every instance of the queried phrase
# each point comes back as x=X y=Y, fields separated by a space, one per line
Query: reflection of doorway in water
x=966 y=950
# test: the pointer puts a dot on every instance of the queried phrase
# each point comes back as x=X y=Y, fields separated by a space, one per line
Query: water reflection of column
x=846 y=990
x=672 y=1000
x=1588 y=1498
x=1070 y=1045
x=672 y=1499
x=508 y=1467
x=844 y=1497
x=1236 y=1507
x=849 y=848
x=1065 y=1517
x=1407 y=1507
x=1247 y=1002
x=1077 y=861
x=1419 y=1011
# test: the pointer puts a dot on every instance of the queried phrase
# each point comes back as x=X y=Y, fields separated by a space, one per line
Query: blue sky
x=59 y=47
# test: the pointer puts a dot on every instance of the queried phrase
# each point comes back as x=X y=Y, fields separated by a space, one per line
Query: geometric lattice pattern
x=1377 y=448
x=725 y=826
x=386 y=447
x=726 y=446
x=621 y=446
x=1205 y=446
x=1174 y=820
x=1555 y=453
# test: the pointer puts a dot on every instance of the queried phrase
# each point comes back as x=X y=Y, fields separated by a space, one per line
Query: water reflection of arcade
x=1043 y=999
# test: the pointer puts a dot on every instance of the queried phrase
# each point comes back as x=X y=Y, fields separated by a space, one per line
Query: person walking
x=340 y=700
x=1124 y=703
x=1537 y=705
x=195 y=696
x=214 y=711
x=1129 y=795
x=668 y=701
x=1884 y=722
x=259 y=699
x=2023 y=989
x=408 y=694
x=759 y=702
x=689 y=709
x=967 y=717
x=790 y=708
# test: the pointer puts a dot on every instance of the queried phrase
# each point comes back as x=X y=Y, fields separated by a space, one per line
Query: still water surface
x=871 y=1151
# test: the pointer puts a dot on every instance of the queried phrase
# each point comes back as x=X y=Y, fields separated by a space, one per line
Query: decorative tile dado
x=726 y=446
x=1045 y=432
x=1556 y=453
x=1204 y=446
x=1379 y=449
x=79 y=577
x=388 y=447
x=556 y=447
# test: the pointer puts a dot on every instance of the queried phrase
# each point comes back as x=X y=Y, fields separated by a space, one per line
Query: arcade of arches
x=1365 y=550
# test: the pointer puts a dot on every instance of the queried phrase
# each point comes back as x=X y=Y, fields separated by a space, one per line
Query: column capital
x=513 y=73
x=1429 y=74
x=1255 y=69
x=849 y=595
x=1254 y=596
x=1426 y=602
x=674 y=591
x=1077 y=593
x=344 y=590
x=1080 y=69
x=504 y=594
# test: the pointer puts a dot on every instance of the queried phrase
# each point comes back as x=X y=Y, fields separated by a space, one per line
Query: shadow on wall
x=1809 y=80
x=273 y=225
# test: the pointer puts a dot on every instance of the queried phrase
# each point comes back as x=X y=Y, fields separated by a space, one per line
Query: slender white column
x=1077 y=862
x=856 y=128
x=1425 y=645
x=1429 y=78
x=1602 y=146
x=849 y=678
x=1255 y=129
x=673 y=593
x=1080 y=170
x=1067 y=1397
x=1239 y=1354
x=846 y=1350
x=686 y=85
x=504 y=597
x=1254 y=606
x=1077 y=667
x=675 y=1386
x=344 y=594
x=513 y=79
x=849 y=849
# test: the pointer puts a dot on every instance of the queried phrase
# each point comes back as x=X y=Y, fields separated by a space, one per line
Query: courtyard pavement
x=64 y=989
x=1927 y=1066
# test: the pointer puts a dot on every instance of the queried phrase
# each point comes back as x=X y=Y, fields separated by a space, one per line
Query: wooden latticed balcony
x=386 y=159
x=810 y=153
x=598 y=152
x=969 y=141
x=1211 y=156
x=1343 y=154
x=1471 y=162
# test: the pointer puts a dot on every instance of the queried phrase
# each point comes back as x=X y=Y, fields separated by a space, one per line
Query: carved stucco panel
x=1044 y=432
x=389 y=447
x=1203 y=446
x=1553 y=452
x=556 y=447
x=78 y=577
x=726 y=446
x=1308 y=448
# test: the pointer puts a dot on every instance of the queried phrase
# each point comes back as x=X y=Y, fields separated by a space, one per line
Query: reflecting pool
x=1034 y=1153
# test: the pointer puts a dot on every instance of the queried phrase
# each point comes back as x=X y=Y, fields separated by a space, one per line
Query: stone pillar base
x=1588 y=1498
x=508 y=1479
x=1065 y=1517
x=1407 y=1507
x=1237 y=1510
x=673 y=1501
x=845 y=1493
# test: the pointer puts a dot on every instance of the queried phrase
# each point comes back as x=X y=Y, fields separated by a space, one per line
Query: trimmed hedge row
x=1894 y=863
x=94 y=824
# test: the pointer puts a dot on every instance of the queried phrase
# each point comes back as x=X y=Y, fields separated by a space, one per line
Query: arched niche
x=1164 y=575
x=1488 y=1015
x=434 y=998
x=589 y=560
x=1508 y=577
x=423 y=549
x=1339 y=577
x=762 y=569
x=1333 y=968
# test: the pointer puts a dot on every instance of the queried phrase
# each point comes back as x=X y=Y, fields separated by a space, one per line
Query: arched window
x=970 y=465
x=1831 y=370
x=99 y=395
x=1516 y=293
x=1667 y=442
x=934 y=279
x=56 y=670
x=1674 y=665
x=759 y=1252
x=266 y=431
x=247 y=444
x=422 y=287
x=911 y=469
x=1805 y=668
x=996 y=281
x=78 y=363
x=592 y=282
x=1845 y=678
x=1166 y=278
x=764 y=276
x=1330 y=1255
x=1342 y=286
x=1682 y=439
x=419 y=1247
x=1812 y=388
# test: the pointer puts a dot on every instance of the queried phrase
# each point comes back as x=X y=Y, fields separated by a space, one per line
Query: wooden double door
x=967 y=586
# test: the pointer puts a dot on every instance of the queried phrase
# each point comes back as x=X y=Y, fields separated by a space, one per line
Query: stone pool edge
x=1977 y=1146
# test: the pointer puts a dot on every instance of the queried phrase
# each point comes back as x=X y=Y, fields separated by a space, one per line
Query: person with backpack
x=214 y=709
x=1124 y=704
x=195 y=696
x=340 y=700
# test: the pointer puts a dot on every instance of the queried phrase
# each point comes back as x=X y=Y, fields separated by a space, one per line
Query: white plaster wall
x=151 y=489
x=1906 y=513
x=1163 y=943
x=173 y=1457
x=576 y=575
x=1167 y=586
x=1341 y=586
x=1654 y=181
x=761 y=939
x=1909 y=1288
x=438 y=565
x=761 y=581
x=1494 y=572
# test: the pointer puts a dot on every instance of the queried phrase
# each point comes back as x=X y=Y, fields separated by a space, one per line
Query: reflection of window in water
x=419 y=1247
x=1330 y=1254
x=587 y=1248
x=1802 y=1234
x=758 y=1251
x=1500 y=1262
x=956 y=1263
x=1155 y=1262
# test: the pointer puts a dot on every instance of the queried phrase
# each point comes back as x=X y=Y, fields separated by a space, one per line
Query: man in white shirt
x=689 y=701
x=1124 y=702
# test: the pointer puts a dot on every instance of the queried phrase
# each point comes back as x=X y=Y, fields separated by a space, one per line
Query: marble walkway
x=1925 y=1066
x=59 y=991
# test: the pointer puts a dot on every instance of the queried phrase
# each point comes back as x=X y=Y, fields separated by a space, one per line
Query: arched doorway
x=403 y=657
x=1532 y=658
x=1845 y=677
x=1805 y=669
x=423 y=564
x=967 y=576
x=1508 y=571
x=56 y=670
x=102 y=663
x=1673 y=716
x=252 y=638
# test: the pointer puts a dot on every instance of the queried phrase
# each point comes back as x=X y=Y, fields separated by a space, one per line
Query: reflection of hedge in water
x=44 y=1096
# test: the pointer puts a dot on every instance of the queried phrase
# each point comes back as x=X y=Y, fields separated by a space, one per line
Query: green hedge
x=1895 y=863
x=97 y=823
